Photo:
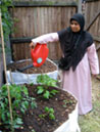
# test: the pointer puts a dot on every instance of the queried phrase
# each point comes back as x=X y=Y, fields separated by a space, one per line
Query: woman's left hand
x=32 y=45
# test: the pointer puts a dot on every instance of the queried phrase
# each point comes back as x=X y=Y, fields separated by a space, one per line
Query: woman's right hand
x=32 y=45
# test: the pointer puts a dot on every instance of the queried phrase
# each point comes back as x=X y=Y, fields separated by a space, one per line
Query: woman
x=79 y=57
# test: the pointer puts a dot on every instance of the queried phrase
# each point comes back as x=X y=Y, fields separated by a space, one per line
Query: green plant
x=49 y=112
x=46 y=82
x=6 y=20
x=20 y=103
x=31 y=84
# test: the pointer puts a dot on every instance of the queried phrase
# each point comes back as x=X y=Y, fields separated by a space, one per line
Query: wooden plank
x=38 y=21
x=52 y=49
x=93 y=20
x=21 y=51
x=98 y=33
x=59 y=27
x=35 y=21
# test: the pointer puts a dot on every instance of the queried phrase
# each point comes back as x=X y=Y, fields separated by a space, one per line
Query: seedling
x=48 y=112
x=46 y=82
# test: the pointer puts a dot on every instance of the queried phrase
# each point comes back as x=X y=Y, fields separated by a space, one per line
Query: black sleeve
x=90 y=39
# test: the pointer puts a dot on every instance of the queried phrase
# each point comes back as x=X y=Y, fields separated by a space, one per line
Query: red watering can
x=38 y=56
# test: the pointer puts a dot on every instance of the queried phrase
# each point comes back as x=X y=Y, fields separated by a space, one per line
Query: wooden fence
x=92 y=7
x=92 y=15
x=33 y=20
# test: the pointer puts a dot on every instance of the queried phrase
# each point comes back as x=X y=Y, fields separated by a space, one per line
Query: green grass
x=91 y=121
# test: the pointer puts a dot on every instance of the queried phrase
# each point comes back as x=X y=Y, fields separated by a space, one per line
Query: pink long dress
x=79 y=81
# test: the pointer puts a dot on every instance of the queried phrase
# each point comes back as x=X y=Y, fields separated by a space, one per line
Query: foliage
x=20 y=103
x=49 y=112
x=46 y=82
x=6 y=20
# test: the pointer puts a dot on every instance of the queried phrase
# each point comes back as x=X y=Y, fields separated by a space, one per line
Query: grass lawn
x=91 y=121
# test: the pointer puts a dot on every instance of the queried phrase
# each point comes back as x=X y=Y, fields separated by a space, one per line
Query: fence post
x=79 y=6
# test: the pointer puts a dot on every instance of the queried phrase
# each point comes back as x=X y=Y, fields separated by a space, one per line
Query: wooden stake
x=5 y=71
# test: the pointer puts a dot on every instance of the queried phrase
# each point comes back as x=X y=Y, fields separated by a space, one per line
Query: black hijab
x=74 y=45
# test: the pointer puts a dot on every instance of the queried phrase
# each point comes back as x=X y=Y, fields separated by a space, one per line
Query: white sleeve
x=51 y=37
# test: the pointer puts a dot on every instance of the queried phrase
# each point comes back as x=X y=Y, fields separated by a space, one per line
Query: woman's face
x=75 y=26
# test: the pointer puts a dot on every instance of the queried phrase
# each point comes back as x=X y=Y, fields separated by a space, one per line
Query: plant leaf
x=40 y=91
x=46 y=94
x=33 y=105
x=51 y=110
x=46 y=109
x=51 y=116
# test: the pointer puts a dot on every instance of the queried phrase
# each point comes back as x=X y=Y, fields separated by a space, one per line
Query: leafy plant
x=46 y=82
x=6 y=20
x=20 y=103
x=49 y=112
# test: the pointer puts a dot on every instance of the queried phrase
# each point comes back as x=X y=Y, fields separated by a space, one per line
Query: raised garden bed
x=56 y=109
x=63 y=104
x=30 y=75
x=48 y=66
